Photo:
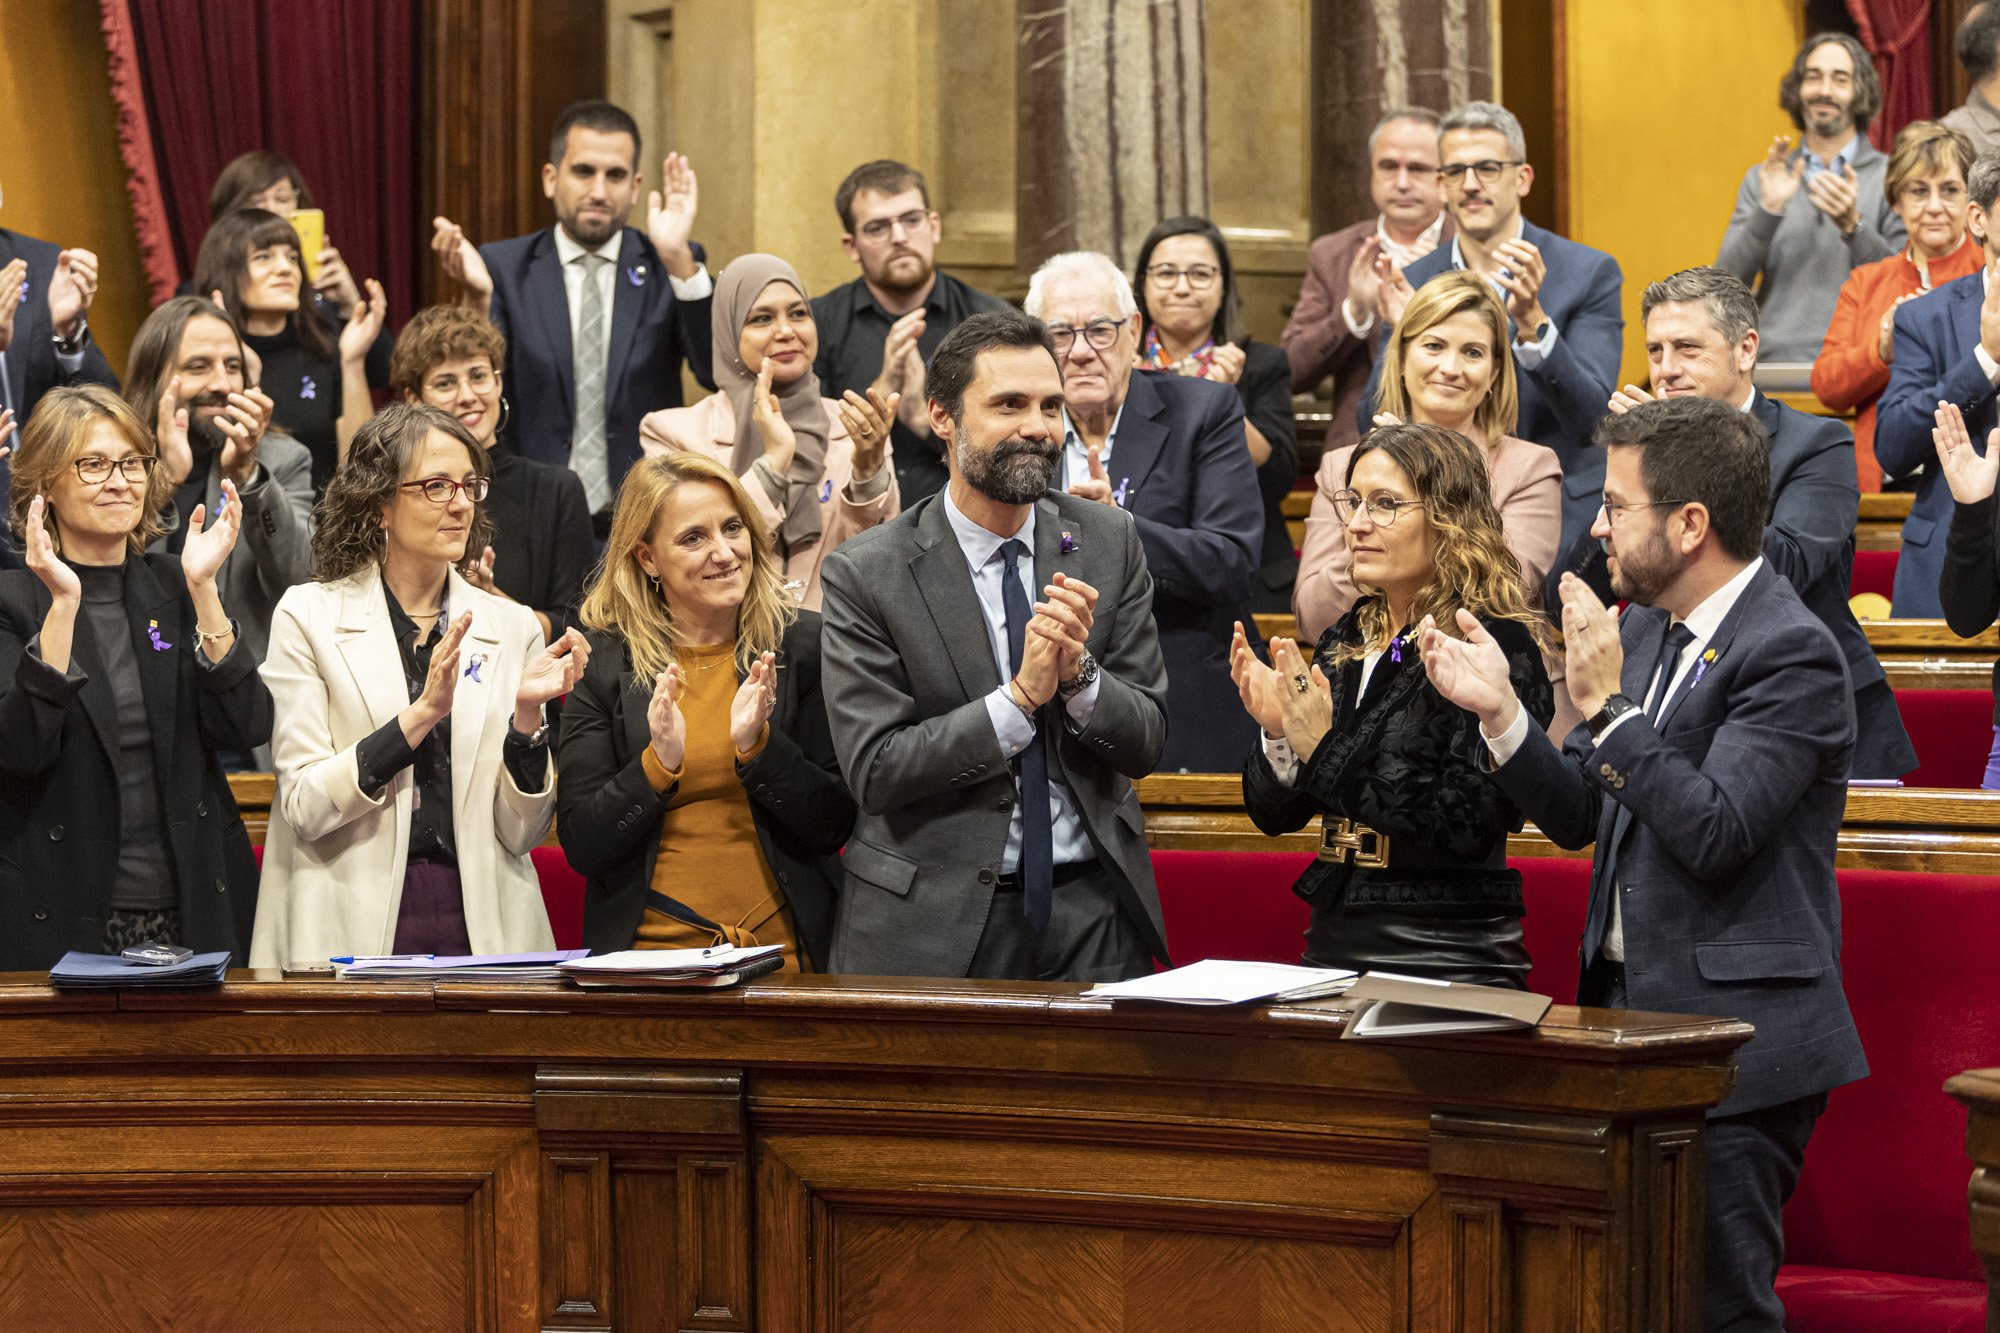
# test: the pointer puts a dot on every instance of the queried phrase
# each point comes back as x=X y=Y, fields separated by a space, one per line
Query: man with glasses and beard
x=1711 y=773
x=186 y=378
x=994 y=684
x=878 y=331
x=1804 y=217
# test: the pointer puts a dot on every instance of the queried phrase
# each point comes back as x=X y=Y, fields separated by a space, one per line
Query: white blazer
x=334 y=856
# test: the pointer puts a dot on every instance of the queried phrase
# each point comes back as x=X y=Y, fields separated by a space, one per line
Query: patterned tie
x=1599 y=922
x=588 y=456
x=1037 y=867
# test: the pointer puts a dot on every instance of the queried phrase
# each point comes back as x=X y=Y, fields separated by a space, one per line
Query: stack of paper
x=676 y=969
x=102 y=971
x=463 y=967
x=1402 y=1006
x=1219 y=981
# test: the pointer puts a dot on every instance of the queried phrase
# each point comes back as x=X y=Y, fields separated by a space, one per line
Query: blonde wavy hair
x=56 y=435
x=1472 y=566
x=624 y=600
x=1435 y=302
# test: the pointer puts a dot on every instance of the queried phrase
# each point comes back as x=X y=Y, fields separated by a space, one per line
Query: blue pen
x=385 y=958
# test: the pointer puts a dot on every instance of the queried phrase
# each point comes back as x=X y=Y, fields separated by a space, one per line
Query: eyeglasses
x=879 y=229
x=1099 y=333
x=1917 y=192
x=93 y=469
x=1487 y=172
x=446 y=386
x=1382 y=509
x=1611 y=507
x=1200 y=277
x=442 y=490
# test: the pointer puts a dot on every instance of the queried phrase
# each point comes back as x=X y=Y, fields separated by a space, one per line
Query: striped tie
x=588 y=456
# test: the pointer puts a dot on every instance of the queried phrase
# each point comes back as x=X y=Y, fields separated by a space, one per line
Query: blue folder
x=105 y=971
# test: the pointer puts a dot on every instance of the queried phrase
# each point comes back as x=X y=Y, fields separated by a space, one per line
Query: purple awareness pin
x=307 y=389
x=160 y=645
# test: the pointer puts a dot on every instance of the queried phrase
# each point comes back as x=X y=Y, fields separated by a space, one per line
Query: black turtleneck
x=145 y=880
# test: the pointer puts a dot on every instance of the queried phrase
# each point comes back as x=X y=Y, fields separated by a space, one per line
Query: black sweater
x=1970 y=584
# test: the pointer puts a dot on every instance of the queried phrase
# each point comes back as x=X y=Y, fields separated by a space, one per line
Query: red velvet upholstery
x=1953 y=733
x=1845 y=1300
x=1874 y=571
x=562 y=895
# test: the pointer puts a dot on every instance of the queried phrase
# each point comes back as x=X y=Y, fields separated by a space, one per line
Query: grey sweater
x=1797 y=260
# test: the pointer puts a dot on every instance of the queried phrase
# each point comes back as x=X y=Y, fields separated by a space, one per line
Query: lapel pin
x=1701 y=667
x=825 y=491
x=307 y=389
x=1119 y=494
x=472 y=666
x=160 y=645
x=1068 y=544
x=636 y=275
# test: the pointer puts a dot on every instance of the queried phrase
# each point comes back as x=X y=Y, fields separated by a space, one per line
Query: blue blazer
x=1729 y=902
x=1935 y=338
x=1561 y=399
x=652 y=333
x=1185 y=471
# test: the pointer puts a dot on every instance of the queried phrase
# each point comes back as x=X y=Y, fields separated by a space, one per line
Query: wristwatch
x=1086 y=672
x=1542 y=331
x=1614 y=708
x=71 y=346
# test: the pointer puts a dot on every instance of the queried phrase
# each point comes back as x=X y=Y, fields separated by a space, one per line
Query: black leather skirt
x=1487 y=951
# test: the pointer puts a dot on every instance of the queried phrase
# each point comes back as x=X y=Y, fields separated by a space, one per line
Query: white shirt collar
x=1707 y=618
x=567 y=248
x=1071 y=435
x=1406 y=255
x=1749 y=401
x=980 y=544
x=1458 y=258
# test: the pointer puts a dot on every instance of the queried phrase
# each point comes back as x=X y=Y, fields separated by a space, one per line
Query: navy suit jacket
x=652 y=333
x=1185 y=471
x=32 y=368
x=1727 y=887
x=1935 y=338
x=1563 y=397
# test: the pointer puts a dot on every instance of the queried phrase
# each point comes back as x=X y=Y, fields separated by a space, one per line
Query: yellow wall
x=59 y=166
x=1670 y=101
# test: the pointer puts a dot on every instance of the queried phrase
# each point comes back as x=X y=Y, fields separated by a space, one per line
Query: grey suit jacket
x=1726 y=879
x=907 y=668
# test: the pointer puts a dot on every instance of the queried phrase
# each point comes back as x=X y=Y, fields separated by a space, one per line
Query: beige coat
x=334 y=855
x=709 y=427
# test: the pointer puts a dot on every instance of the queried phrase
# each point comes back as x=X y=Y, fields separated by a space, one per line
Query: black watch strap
x=1615 y=707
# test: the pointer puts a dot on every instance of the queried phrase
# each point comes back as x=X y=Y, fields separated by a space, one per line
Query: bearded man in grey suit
x=991 y=738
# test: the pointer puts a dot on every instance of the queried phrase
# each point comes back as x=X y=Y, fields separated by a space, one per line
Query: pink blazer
x=709 y=427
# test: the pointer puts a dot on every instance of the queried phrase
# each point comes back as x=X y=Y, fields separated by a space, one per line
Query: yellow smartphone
x=310 y=224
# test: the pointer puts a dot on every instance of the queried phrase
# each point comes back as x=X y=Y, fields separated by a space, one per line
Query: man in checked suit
x=598 y=316
x=990 y=731
x=1711 y=772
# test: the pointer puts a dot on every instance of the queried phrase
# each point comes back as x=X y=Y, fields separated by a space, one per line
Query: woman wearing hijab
x=817 y=468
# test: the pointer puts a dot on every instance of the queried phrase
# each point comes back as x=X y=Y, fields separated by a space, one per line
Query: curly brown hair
x=1867 y=86
x=56 y=434
x=348 y=533
x=1473 y=567
x=440 y=333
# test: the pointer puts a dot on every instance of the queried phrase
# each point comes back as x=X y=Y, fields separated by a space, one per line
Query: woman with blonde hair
x=121 y=678
x=411 y=747
x=700 y=796
x=1412 y=874
x=1448 y=362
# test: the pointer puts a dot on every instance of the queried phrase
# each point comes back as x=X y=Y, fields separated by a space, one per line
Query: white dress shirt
x=1010 y=725
x=1702 y=622
x=1076 y=456
x=1979 y=352
x=568 y=251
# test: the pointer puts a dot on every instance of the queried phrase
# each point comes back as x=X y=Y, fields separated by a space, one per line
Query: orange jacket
x=1850 y=373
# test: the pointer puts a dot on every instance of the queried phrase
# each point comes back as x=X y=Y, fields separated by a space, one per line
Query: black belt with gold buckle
x=1340 y=839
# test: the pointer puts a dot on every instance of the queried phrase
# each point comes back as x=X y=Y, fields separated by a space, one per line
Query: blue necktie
x=1037 y=868
x=1599 y=923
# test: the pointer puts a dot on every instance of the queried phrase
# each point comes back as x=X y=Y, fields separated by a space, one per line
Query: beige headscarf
x=735 y=292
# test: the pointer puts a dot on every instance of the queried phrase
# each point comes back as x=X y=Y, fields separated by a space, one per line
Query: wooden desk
x=836 y=1153
x=1979 y=1089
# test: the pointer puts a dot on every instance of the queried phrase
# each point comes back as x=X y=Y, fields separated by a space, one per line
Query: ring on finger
x=1301 y=684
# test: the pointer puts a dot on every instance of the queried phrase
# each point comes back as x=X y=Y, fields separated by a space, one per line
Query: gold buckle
x=1341 y=838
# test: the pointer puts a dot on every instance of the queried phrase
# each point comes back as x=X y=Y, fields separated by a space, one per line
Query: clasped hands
x=1057 y=639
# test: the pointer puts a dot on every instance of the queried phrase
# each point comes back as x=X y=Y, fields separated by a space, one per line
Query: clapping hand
x=1096 y=486
x=1364 y=284
x=1522 y=277
x=780 y=441
x=461 y=258
x=1065 y=618
x=242 y=425
x=552 y=673
x=170 y=429
x=71 y=291
x=1777 y=177
x=1226 y=365
x=1306 y=698
x=1628 y=398
x=1839 y=197
x=664 y=722
x=1260 y=686
x=204 y=550
x=57 y=577
x=1970 y=474
x=1392 y=291
x=1592 y=653
x=670 y=212
x=1471 y=672
x=440 y=684
x=480 y=574
x=6 y=430
x=364 y=325
x=1885 y=336
x=755 y=698
x=13 y=279
x=867 y=421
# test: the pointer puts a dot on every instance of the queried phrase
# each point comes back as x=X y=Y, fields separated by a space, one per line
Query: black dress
x=1408 y=764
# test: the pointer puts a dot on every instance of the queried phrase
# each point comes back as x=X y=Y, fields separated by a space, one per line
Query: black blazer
x=59 y=790
x=1970 y=586
x=1266 y=390
x=543 y=547
x=652 y=333
x=608 y=816
x=1406 y=762
x=1726 y=883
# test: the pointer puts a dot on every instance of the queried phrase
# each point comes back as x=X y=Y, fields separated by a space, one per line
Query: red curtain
x=333 y=87
x=1898 y=34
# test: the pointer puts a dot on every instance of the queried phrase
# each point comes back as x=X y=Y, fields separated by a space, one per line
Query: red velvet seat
x=1874 y=571
x=562 y=895
x=1953 y=733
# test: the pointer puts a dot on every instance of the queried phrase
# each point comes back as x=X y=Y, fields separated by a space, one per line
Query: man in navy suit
x=1170 y=451
x=1702 y=339
x=1562 y=298
x=1947 y=347
x=598 y=316
x=1712 y=774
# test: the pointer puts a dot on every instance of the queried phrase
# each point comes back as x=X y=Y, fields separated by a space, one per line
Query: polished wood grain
x=845 y=1152
x=1979 y=1090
